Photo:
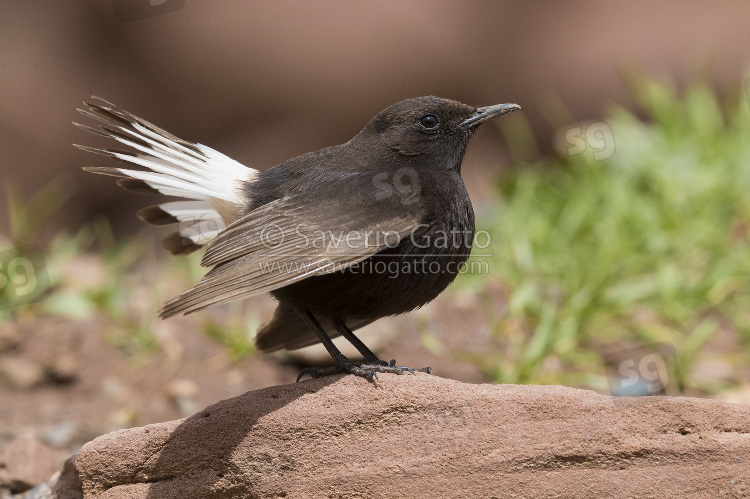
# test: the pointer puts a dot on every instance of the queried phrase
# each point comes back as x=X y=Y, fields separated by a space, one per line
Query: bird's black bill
x=483 y=114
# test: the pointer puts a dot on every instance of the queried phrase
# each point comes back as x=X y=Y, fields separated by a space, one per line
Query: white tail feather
x=173 y=167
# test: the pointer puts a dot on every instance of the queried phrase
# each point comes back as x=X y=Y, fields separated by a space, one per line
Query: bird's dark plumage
x=340 y=237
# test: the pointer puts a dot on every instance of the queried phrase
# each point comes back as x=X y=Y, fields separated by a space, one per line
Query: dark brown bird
x=340 y=237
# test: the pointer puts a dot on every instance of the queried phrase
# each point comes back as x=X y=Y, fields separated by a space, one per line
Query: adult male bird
x=340 y=237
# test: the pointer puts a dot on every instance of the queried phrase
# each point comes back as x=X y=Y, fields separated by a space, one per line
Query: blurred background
x=616 y=200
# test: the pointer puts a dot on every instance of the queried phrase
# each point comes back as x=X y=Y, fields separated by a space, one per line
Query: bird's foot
x=367 y=370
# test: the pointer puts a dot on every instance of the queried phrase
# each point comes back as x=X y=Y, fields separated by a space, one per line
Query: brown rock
x=67 y=485
x=20 y=373
x=10 y=336
x=24 y=463
x=423 y=436
x=182 y=393
x=62 y=368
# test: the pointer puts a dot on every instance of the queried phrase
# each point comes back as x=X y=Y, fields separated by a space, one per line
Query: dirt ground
x=66 y=383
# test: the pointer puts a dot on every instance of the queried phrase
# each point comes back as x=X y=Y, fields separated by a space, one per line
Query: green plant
x=236 y=333
x=651 y=244
x=24 y=277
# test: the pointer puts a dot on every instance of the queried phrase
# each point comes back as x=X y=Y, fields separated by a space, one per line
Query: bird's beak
x=483 y=114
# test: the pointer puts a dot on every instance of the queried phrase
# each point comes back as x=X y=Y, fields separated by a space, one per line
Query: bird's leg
x=358 y=344
x=342 y=364
x=370 y=357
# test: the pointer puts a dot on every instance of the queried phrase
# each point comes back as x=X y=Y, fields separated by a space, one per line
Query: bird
x=340 y=237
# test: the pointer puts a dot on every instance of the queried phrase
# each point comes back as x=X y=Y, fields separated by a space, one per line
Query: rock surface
x=424 y=436
x=24 y=463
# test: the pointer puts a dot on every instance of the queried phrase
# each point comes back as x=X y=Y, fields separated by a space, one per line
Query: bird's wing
x=290 y=239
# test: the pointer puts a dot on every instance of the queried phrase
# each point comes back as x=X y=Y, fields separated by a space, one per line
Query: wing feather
x=302 y=242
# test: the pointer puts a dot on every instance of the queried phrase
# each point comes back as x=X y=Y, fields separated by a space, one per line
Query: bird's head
x=436 y=129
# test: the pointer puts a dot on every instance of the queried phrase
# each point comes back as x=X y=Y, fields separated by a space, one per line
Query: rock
x=182 y=392
x=58 y=435
x=67 y=484
x=62 y=368
x=424 y=436
x=41 y=491
x=20 y=373
x=10 y=336
x=24 y=374
x=25 y=462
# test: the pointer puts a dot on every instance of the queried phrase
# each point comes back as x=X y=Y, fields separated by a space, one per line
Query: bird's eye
x=429 y=122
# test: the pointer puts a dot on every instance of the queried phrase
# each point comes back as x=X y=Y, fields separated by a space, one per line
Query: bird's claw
x=368 y=371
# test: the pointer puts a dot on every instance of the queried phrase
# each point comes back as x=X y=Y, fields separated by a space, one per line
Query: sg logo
x=596 y=136
x=404 y=184
x=23 y=276
x=647 y=370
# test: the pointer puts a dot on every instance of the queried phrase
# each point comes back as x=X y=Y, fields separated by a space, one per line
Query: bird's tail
x=159 y=162
x=289 y=331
